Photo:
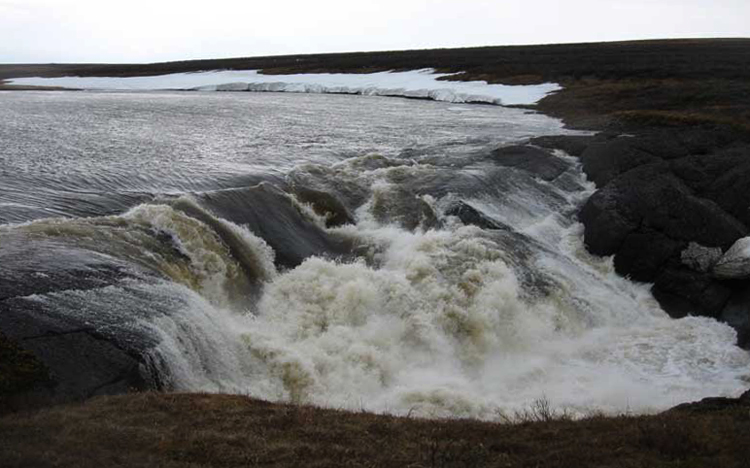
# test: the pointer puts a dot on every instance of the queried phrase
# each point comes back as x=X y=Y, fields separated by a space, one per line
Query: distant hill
x=682 y=58
x=620 y=84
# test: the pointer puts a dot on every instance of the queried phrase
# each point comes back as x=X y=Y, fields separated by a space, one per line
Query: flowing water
x=191 y=228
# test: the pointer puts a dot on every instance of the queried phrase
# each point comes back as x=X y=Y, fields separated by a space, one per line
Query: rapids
x=192 y=244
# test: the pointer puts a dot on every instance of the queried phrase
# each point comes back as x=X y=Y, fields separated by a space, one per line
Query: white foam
x=440 y=328
x=416 y=83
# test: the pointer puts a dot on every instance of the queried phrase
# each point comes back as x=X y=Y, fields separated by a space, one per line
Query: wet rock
x=574 y=145
x=534 y=160
x=700 y=258
x=396 y=205
x=711 y=404
x=644 y=253
x=723 y=177
x=27 y=268
x=79 y=361
x=646 y=217
x=649 y=199
x=681 y=292
x=20 y=373
x=602 y=162
x=269 y=213
x=471 y=216
x=736 y=313
x=325 y=204
x=735 y=263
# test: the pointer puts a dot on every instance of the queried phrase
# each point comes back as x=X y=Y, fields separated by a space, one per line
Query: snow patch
x=422 y=84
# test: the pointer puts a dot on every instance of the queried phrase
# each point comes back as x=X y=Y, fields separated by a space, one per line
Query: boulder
x=650 y=200
x=325 y=204
x=530 y=159
x=81 y=361
x=669 y=202
x=54 y=349
x=735 y=263
x=681 y=292
x=395 y=205
x=736 y=313
x=471 y=216
x=602 y=162
x=700 y=258
x=711 y=404
x=647 y=217
x=645 y=252
x=723 y=177
x=270 y=213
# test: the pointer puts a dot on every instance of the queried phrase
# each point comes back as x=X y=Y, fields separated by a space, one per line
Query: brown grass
x=681 y=119
x=172 y=430
x=632 y=105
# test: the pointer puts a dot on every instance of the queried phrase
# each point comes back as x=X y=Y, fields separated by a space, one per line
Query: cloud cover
x=151 y=31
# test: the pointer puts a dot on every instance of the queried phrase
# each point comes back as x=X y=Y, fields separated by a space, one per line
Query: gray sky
x=159 y=30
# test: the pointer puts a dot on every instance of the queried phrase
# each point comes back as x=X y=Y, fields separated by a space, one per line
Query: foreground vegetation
x=198 y=430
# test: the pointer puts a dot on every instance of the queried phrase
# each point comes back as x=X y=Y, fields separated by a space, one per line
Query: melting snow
x=416 y=84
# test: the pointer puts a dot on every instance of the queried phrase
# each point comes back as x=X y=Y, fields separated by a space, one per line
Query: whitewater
x=352 y=252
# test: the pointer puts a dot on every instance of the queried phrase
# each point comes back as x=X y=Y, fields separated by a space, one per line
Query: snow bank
x=415 y=84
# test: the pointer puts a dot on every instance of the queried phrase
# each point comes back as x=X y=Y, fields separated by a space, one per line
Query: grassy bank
x=219 y=430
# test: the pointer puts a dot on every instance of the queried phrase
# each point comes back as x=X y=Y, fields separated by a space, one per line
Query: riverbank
x=198 y=430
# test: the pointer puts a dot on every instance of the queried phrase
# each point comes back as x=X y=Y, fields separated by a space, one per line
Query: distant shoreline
x=620 y=86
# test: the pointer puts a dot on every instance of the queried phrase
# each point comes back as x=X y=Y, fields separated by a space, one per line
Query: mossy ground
x=199 y=430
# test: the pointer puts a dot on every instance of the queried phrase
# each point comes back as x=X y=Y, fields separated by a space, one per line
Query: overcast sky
x=159 y=30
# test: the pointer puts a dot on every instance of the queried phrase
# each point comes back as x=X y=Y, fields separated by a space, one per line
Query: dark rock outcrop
x=737 y=312
x=712 y=404
x=79 y=360
x=659 y=193
x=470 y=215
x=534 y=160
x=20 y=372
x=700 y=258
x=270 y=213
x=682 y=292
x=82 y=361
x=574 y=145
x=723 y=177
x=602 y=162
x=325 y=204
x=57 y=354
x=650 y=200
x=403 y=207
